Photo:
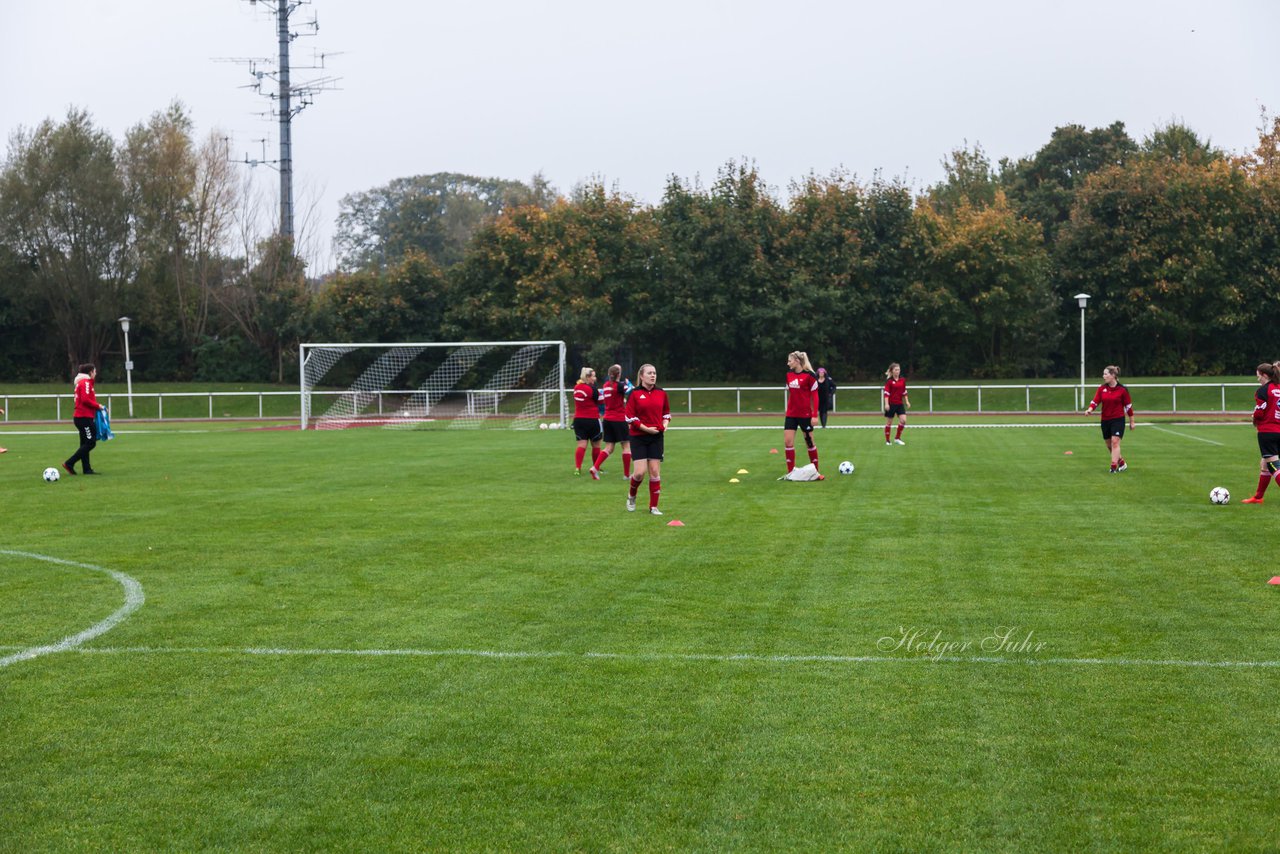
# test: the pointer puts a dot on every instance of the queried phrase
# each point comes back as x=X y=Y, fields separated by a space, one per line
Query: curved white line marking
x=133 y=599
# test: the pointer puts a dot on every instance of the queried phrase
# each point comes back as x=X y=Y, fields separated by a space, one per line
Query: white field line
x=1184 y=435
x=714 y=658
x=133 y=599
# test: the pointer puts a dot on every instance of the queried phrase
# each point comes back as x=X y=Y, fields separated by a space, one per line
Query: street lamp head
x=124 y=325
x=1082 y=300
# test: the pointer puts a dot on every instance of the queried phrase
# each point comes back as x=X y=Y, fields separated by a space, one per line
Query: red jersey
x=86 y=400
x=585 y=401
x=647 y=406
x=1114 y=400
x=802 y=394
x=895 y=391
x=615 y=401
x=1266 y=412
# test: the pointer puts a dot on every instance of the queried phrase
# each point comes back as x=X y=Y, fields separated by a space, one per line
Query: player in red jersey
x=614 y=395
x=1116 y=404
x=802 y=407
x=648 y=412
x=896 y=402
x=586 y=420
x=86 y=411
x=1266 y=418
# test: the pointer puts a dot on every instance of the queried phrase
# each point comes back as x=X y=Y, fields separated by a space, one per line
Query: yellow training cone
x=734 y=480
x=743 y=471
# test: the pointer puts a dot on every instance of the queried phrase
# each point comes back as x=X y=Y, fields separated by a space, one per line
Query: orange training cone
x=675 y=523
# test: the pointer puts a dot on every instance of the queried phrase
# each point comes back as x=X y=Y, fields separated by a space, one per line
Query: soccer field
x=388 y=640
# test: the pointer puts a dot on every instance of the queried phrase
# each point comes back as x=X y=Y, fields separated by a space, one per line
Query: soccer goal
x=516 y=384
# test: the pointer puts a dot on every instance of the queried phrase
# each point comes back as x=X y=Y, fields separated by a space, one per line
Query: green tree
x=403 y=303
x=993 y=309
x=715 y=299
x=1181 y=257
x=433 y=214
x=63 y=208
x=970 y=180
x=1043 y=185
x=580 y=271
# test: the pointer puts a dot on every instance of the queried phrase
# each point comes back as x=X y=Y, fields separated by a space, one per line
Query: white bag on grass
x=805 y=472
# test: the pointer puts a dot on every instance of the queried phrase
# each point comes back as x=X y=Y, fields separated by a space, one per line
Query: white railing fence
x=1027 y=398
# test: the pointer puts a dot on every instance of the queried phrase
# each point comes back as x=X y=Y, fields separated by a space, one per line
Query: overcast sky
x=633 y=93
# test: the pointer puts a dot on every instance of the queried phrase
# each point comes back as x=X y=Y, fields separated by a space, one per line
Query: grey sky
x=633 y=93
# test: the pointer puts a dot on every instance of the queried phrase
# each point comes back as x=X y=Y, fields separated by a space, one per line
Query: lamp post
x=1082 y=300
x=128 y=363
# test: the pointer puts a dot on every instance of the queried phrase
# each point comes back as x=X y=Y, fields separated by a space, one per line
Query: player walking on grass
x=85 y=418
x=1266 y=418
x=614 y=395
x=648 y=413
x=896 y=402
x=586 y=420
x=1114 y=399
x=802 y=407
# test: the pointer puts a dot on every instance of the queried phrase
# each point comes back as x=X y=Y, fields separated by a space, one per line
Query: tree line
x=1177 y=242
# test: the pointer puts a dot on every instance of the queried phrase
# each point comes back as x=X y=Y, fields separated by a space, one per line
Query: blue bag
x=103 y=425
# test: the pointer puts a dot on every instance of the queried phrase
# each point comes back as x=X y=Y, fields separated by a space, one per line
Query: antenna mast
x=289 y=99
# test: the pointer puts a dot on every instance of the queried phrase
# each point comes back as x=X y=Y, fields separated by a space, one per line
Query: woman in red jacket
x=1266 y=418
x=1116 y=404
x=648 y=412
x=87 y=407
x=896 y=401
x=586 y=421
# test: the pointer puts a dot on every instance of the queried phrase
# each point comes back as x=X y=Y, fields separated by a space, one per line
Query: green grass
x=723 y=685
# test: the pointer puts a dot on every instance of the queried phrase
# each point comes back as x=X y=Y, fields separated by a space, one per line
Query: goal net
x=516 y=384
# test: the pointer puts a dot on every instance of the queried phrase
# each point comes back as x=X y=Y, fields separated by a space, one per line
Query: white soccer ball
x=542 y=426
x=846 y=467
x=1219 y=495
x=51 y=475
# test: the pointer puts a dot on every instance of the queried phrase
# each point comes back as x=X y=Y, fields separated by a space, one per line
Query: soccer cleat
x=68 y=469
x=899 y=442
x=595 y=475
x=577 y=472
x=631 y=504
x=1253 y=499
x=1123 y=466
x=654 y=511
x=90 y=471
x=887 y=442
x=1113 y=470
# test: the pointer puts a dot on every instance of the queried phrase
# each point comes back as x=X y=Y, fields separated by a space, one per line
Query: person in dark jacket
x=826 y=395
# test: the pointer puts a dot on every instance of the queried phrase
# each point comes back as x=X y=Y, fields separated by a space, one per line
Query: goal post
x=454 y=384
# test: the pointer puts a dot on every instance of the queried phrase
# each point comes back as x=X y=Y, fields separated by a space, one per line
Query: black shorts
x=1269 y=444
x=1112 y=427
x=617 y=431
x=646 y=447
x=805 y=424
x=587 y=428
x=892 y=409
